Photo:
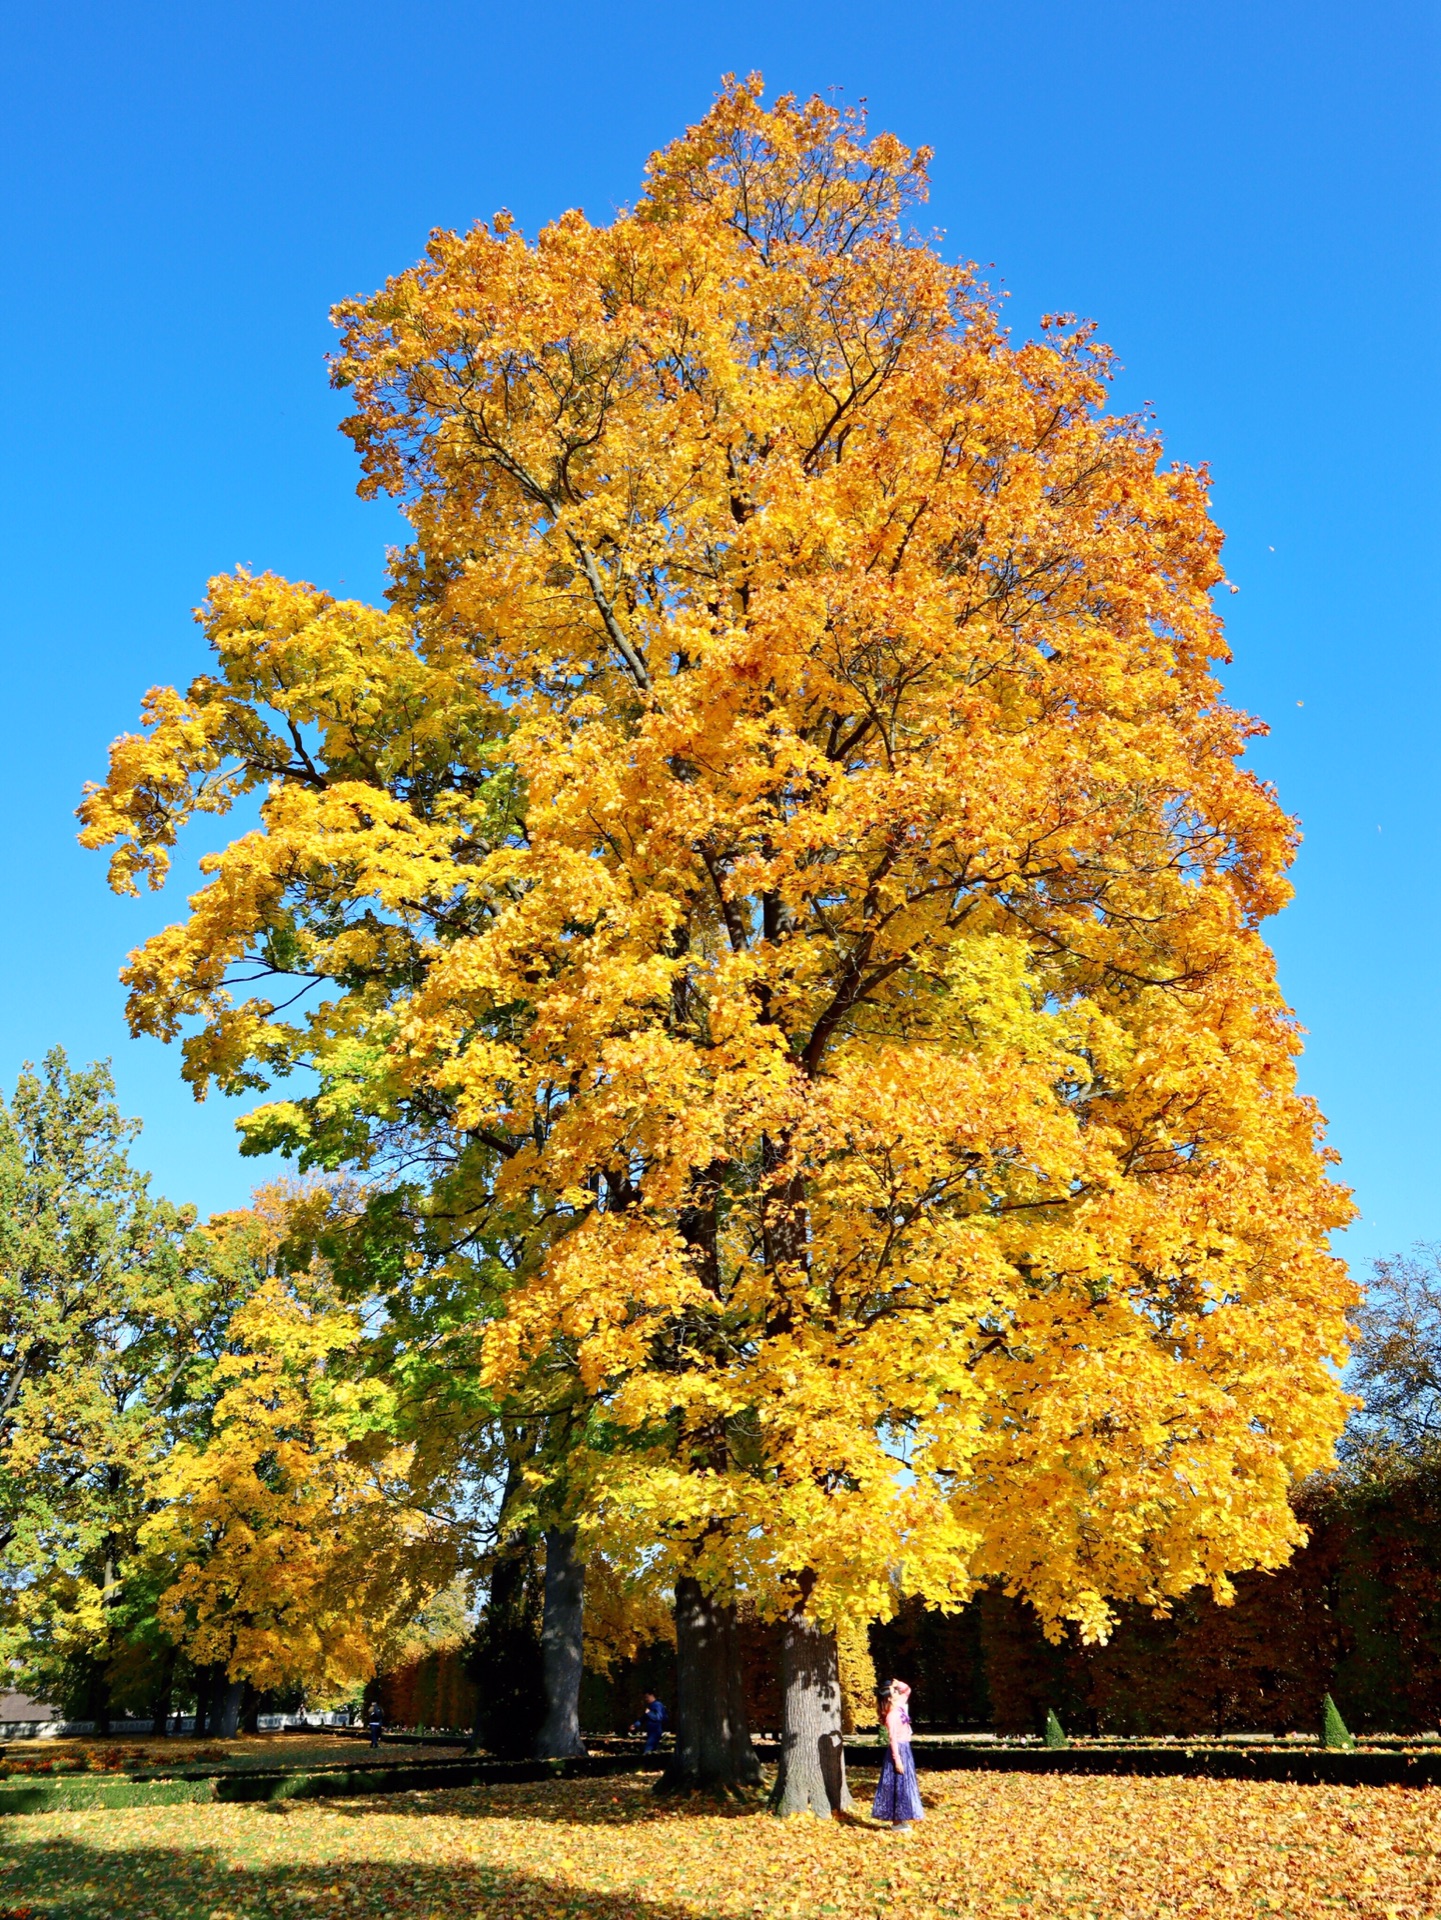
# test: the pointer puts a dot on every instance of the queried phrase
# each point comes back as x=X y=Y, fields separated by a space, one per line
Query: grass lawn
x=992 y=1845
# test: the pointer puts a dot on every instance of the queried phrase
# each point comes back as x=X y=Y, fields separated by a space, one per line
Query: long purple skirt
x=898 y=1797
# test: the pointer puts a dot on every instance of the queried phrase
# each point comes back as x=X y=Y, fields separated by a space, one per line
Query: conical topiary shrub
x=1334 y=1731
x=1055 y=1732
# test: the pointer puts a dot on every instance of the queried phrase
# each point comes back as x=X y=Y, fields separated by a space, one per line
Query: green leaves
x=103 y=1317
x=1334 y=1731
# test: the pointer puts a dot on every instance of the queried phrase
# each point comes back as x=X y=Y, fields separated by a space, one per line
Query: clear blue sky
x=1243 y=195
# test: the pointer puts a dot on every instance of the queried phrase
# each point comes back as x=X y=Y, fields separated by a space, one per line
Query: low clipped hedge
x=70 y=1794
x=1305 y=1766
x=75 y=1793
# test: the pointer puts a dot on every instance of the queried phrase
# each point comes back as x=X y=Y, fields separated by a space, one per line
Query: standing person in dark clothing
x=376 y=1722
x=651 y=1722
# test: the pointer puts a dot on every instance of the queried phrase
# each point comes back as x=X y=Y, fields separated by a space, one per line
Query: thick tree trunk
x=812 y=1776
x=712 y=1743
x=505 y=1657
x=225 y=1708
x=97 y=1697
x=562 y=1647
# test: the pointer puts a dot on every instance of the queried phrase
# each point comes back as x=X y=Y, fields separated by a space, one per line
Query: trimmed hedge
x=433 y=1691
x=1311 y=1766
x=73 y=1794
x=1305 y=1766
x=76 y=1793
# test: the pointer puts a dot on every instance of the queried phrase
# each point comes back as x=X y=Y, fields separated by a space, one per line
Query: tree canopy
x=102 y=1308
x=1397 y=1362
x=777 y=883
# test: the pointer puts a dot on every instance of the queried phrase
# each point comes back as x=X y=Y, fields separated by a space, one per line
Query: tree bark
x=225 y=1708
x=160 y=1706
x=562 y=1647
x=713 y=1747
x=812 y=1776
x=94 y=1699
x=505 y=1657
x=205 y=1684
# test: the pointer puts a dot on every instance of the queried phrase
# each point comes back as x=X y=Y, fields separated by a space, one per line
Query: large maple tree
x=783 y=851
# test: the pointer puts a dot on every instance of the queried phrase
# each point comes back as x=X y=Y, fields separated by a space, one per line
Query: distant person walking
x=376 y=1722
x=898 y=1798
x=651 y=1722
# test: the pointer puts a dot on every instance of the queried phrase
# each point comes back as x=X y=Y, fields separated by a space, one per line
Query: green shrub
x=1334 y=1731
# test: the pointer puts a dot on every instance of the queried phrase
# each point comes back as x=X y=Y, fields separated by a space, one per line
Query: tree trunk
x=160 y=1706
x=712 y=1744
x=225 y=1708
x=204 y=1693
x=505 y=1657
x=812 y=1776
x=562 y=1646
x=97 y=1696
x=250 y=1710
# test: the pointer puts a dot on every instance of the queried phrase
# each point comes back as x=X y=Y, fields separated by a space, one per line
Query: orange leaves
x=783 y=852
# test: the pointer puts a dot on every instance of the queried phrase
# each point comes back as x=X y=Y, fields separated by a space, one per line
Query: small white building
x=19 y=1715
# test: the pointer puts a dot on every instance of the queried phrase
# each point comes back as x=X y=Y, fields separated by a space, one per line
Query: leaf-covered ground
x=998 y=1845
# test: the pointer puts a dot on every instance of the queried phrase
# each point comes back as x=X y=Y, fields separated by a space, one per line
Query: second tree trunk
x=225 y=1708
x=812 y=1776
x=712 y=1738
x=562 y=1647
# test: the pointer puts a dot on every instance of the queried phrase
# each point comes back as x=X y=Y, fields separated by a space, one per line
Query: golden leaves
x=783 y=840
x=991 y=1846
x=287 y=1522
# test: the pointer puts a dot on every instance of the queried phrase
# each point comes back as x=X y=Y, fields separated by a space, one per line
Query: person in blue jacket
x=651 y=1722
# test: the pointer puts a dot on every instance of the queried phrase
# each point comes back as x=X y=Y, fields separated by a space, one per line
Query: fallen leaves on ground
x=992 y=1846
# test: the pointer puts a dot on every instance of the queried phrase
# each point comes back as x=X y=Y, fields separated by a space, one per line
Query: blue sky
x=1243 y=195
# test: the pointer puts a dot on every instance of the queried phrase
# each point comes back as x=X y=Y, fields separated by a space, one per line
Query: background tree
x=298 y=1538
x=786 y=835
x=102 y=1306
x=1396 y=1366
x=438 y=1260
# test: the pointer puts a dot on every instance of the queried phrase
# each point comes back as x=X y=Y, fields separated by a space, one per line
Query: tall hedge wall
x=1357 y=1615
x=434 y=1691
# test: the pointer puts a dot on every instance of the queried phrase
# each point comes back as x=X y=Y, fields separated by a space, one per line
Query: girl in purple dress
x=898 y=1798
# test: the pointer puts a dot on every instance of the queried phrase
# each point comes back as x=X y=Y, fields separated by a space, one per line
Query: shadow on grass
x=65 y=1879
x=615 y=1800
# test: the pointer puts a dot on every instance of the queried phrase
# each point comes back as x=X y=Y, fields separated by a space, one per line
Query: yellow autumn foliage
x=784 y=847
x=623 y=1616
x=289 y=1523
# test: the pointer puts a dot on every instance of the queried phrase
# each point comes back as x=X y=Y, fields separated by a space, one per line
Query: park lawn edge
x=78 y=1795
x=1305 y=1768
